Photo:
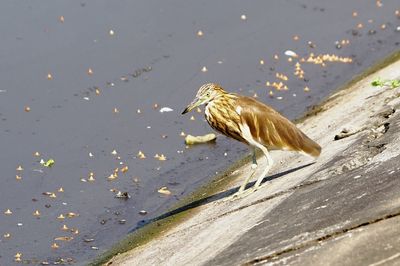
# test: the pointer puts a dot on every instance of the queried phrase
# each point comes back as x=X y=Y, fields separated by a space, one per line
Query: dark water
x=153 y=57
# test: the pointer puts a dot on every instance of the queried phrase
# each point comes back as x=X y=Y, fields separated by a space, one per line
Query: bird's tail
x=310 y=147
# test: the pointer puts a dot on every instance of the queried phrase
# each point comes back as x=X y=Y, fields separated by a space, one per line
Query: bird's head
x=205 y=94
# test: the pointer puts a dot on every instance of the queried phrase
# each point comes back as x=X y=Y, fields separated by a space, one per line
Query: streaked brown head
x=205 y=94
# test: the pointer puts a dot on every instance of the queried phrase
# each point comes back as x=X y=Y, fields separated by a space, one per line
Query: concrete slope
x=344 y=209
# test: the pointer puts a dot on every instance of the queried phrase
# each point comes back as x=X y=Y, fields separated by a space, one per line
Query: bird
x=254 y=123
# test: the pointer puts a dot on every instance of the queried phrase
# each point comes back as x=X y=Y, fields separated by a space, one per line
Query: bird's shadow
x=211 y=198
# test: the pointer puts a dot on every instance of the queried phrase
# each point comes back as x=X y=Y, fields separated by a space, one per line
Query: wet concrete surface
x=106 y=61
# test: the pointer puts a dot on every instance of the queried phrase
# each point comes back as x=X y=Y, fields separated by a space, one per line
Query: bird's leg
x=246 y=181
x=266 y=170
x=254 y=165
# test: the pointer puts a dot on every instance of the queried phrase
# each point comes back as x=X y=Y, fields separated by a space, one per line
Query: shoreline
x=187 y=208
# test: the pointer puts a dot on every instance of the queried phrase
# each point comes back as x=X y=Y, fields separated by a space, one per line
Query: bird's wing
x=273 y=130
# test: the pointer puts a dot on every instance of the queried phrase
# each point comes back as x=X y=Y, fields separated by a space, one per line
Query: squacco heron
x=251 y=122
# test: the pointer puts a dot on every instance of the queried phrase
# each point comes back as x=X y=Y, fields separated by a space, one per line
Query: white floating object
x=190 y=140
x=166 y=109
x=290 y=53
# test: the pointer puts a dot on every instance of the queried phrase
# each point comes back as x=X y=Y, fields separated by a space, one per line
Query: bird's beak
x=191 y=106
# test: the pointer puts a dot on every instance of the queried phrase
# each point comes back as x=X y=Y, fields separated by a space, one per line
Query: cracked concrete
x=344 y=209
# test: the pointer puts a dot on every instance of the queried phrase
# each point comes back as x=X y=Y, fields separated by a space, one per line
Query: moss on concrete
x=184 y=209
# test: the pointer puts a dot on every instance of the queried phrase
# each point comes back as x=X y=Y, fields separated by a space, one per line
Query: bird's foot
x=241 y=194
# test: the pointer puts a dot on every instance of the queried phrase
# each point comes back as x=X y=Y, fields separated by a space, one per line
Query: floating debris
x=112 y=177
x=200 y=33
x=114 y=152
x=122 y=221
x=63 y=238
x=290 y=53
x=61 y=19
x=261 y=62
x=124 y=169
x=166 y=109
x=6 y=235
x=18 y=177
x=190 y=140
x=48 y=163
x=91 y=177
x=311 y=44
x=192 y=118
x=204 y=69
x=306 y=89
x=111 y=32
x=116 y=111
x=322 y=58
x=88 y=240
x=281 y=76
x=55 y=246
x=141 y=155
x=49 y=76
x=162 y=158
x=164 y=191
x=36 y=154
x=18 y=257
x=36 y=213
x=182 y=134
x=122 y=195
x=27 y=109
x=72 y=215
x=90 y=71
x=64 y=228
x=143 y=212
x=243 y=17
x=61 y=217
x=298 y=71
x=8 y=212
x=296 y=38
x=279 y=86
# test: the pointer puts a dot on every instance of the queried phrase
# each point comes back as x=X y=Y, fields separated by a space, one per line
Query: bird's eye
x=208 y=94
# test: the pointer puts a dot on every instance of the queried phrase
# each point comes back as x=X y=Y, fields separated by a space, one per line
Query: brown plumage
x=252 y=122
